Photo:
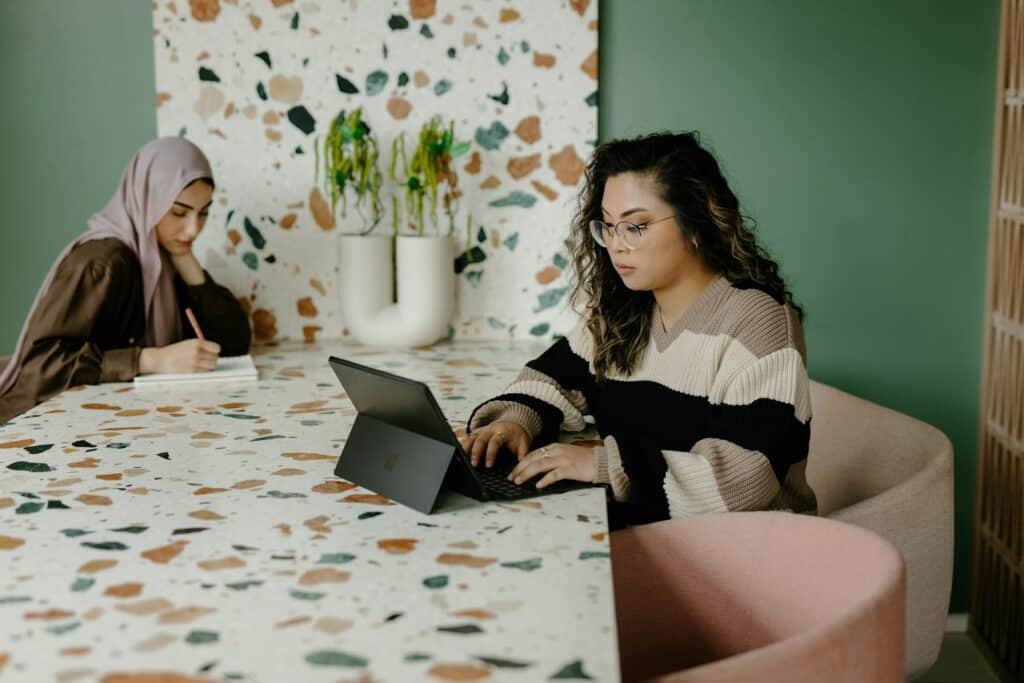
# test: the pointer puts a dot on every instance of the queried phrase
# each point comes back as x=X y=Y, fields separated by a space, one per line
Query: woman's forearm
x=149 y=361
x=188 y=267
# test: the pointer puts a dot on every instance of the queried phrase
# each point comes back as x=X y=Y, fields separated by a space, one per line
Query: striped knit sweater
x=715 y=417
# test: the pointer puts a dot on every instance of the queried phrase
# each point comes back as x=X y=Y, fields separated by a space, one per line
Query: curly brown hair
x=688 y=178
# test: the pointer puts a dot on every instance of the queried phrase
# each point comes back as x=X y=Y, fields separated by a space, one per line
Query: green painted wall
x=857 y=134
x=78 y=99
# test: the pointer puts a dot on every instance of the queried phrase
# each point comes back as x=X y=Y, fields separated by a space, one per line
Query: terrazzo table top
x=200 y=533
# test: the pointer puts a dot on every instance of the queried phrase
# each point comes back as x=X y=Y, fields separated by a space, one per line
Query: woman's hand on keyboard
x=555 y=462
x=486 y=441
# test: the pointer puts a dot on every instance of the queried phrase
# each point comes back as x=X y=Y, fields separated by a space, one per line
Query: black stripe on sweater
x=560 y=363
x=645 y=467
x=677 y=421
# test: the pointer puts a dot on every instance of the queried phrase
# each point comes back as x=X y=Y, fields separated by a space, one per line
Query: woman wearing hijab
x=112 y=305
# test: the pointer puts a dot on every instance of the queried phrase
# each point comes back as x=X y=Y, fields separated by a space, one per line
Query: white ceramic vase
x=423 y=309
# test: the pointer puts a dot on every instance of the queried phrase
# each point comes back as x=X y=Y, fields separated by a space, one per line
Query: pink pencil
x=195 y=324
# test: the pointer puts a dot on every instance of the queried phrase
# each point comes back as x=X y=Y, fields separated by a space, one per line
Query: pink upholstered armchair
x=890 y=473
x=758 y=597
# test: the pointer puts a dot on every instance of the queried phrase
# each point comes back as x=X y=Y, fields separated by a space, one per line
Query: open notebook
x=229 y=369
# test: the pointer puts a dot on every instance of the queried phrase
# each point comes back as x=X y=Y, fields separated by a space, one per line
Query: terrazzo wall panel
x=256 y=83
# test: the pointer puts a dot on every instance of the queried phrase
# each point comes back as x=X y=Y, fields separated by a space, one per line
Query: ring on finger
x=545 y=453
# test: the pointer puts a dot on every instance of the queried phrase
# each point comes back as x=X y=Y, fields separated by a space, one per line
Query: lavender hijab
x=151 y=181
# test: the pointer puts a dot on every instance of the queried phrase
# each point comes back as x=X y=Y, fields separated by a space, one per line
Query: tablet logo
x=390 y=460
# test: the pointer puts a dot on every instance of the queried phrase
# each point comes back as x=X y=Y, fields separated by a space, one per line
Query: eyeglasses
x=632 y=237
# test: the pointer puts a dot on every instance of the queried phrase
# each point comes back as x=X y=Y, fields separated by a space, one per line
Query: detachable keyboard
x=494 y=480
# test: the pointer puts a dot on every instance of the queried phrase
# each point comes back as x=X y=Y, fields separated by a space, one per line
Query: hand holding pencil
x=191 y=355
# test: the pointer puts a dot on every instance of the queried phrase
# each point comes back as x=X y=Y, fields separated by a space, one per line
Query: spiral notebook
x=229 y=369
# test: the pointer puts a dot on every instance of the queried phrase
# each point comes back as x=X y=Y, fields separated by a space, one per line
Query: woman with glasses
x=689 y=355
x=113 y=304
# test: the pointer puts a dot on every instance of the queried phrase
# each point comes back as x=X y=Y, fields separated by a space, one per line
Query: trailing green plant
x=427 y=174
x=350 y=155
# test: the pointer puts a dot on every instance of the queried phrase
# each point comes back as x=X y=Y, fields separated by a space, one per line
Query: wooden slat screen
x=997 y=611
